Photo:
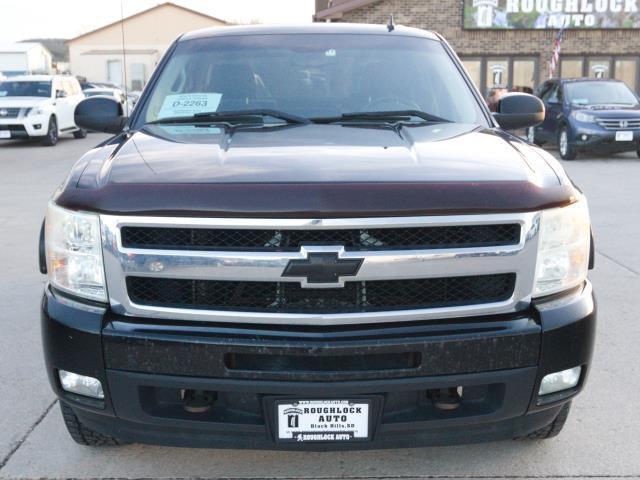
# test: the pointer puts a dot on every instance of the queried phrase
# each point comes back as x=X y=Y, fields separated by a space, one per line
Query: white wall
x=149 y=34
x=13 y=62
x=87 y=63
x=39 y=60
x=35 y=60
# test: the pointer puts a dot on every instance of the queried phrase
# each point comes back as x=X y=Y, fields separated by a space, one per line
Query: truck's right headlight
x=563 y=248
x=74 y=253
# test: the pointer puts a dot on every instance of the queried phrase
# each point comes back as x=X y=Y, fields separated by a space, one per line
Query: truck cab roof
x=313 y=28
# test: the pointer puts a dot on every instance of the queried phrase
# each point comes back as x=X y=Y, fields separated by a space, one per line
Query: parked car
x=132 y=98
x=116 y=93
x=88 y=85
x=315 y=237
x=588 y=115
x=40 y=107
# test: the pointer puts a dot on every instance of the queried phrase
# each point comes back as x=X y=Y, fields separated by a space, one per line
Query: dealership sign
x=551 y=14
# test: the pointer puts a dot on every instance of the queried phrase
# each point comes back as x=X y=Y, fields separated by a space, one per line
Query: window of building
x=114 y=72
x=571 y=67
x=497 y=72
x=474 y=68
x=524 y=75
x=599 y=68
x=513 y=72
x=626 y=69
x=138 y=76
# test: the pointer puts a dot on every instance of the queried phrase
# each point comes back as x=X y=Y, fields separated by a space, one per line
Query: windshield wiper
x=395 y=116
x=234 y=117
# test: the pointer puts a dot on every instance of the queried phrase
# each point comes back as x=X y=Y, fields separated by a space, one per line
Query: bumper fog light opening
x=560 y=381
x=81 y=384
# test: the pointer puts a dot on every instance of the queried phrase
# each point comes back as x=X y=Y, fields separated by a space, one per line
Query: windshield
x=25 y=89
x=600 y=93
x=312 y=76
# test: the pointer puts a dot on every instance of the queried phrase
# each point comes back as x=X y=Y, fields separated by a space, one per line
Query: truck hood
x=324 y=170
x=23 y=102
x=605 y=108
x=614 y=111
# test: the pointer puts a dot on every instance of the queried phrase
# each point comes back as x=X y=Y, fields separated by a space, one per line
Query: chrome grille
x=425 y=268
x=9 y=112
x=619 y=123
x=289 y=297
x=457 y=236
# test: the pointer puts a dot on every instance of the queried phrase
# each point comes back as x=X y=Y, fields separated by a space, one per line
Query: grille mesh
x=11 y=112
x=288 y=297
x=292 y=240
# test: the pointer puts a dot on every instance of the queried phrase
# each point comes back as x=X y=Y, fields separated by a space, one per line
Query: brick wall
x=445 y=17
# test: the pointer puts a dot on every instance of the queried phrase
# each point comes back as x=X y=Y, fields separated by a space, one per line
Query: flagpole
x=555 y=56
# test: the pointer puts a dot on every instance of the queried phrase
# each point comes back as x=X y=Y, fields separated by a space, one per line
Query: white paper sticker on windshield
x=190 y=130
x=187 y=104
x=3 y=93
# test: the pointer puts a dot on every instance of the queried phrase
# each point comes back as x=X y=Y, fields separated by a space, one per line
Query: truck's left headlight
x=563 y=248
x=74 y=253
x=32 y=112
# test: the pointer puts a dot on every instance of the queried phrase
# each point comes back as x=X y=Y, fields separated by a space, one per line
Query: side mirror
x=100 y=114
x=519 y=110
x=61 y=94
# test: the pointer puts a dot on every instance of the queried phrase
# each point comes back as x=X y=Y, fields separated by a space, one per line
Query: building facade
x=98 y=55
x=24 y=58
x=509 y=43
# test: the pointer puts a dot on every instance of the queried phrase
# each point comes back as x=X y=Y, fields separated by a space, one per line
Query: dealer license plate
x=323 y=420
x=624 y=136
x=5 y=133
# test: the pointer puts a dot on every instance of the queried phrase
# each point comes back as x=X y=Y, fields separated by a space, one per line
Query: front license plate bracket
x=624 y=136
x=291 y=427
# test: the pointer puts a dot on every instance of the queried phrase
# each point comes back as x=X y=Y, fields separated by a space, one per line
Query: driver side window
x=552 y=95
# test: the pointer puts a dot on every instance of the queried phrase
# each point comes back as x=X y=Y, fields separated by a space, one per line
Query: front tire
x=83 y=435
x=554 y=428
x=79 y=134
x=51 y=138
x=567 y=152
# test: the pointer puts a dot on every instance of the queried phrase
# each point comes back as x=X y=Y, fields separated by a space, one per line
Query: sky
x=69 y=18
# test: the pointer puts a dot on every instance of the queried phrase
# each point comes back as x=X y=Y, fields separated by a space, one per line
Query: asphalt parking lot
x=601 y=439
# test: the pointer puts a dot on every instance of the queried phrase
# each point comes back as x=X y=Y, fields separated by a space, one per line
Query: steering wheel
x=391 y=104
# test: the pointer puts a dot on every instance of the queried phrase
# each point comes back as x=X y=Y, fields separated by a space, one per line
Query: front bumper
x=25 y=127
x=499 y=362
x=593 y=138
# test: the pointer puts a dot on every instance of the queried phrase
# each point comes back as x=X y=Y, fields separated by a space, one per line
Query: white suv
x=39 y=106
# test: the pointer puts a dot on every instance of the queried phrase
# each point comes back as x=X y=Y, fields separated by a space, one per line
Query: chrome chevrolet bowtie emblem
x=323 y=269
x=3 y=112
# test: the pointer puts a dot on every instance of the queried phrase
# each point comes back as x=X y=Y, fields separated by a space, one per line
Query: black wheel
x=51 y=138
x=567 y=152
x=82 y=434
x=554 y=428
x=80 y=134
x=638 y=153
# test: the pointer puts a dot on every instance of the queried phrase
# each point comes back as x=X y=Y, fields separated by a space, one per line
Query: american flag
x=555 y=56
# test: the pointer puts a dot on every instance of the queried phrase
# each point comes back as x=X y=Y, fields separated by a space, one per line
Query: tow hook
x=445 y=398
x=197 y=401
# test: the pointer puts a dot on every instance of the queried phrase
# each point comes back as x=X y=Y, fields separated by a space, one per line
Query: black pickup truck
x=315 y=237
